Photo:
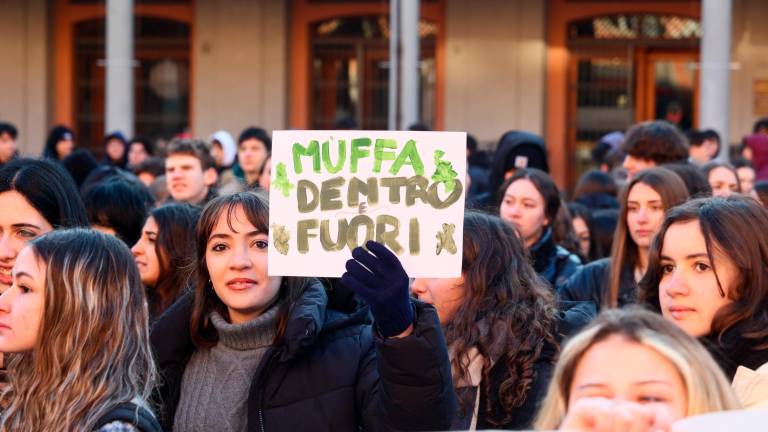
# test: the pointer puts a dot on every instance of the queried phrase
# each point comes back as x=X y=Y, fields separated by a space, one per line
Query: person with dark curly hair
x=651 y=144
x=500 y=324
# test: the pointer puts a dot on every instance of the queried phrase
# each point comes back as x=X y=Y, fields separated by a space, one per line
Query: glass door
x=672 y=88
x=350 y=72
x=601 y=100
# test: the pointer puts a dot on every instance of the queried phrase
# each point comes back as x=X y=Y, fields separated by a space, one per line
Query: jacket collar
x=309 y=315
x=733 y=350
x=542 y=250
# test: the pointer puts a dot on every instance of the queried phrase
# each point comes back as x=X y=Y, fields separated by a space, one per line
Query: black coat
x=733 y=350
x=591 y=283
x=553 y=262
x=333 y=373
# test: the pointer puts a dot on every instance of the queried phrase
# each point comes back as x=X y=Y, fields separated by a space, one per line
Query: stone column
x=119 y=68
x=394 y=54
x=715 y=71
x=409 y=63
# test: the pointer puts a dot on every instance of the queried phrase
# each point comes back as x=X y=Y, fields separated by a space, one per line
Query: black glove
x=382 y=283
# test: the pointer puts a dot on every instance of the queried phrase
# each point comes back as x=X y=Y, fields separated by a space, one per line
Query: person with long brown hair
x=612 y=281
x=499 y=320
x=707 y=273
x=75 y=321
x=251 y=351
x=164 y=254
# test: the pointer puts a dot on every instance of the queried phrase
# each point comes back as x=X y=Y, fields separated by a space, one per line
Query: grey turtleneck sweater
x=214 y=389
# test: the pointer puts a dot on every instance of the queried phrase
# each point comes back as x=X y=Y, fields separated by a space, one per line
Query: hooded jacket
x=333 y=373
x=57 y=134
x=117 y=135
x=228 y=147
x=516 y=149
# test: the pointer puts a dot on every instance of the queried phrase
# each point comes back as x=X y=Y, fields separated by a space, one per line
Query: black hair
x=760 y=124
x=711 y=134
x=594 y=181
x=695 y=137
x=80 y=164
x=145 y=142
x=419 y=126
x=120 y=204
x=10 y=129
x=344 y=123
x=120 y=163
x=581 y=211
x=543 y=183
x=604 y=223
x=761 y=189
x=256 y=133
x=693 y=177
x=48 y=188
x=741 y=162
x=152 y=165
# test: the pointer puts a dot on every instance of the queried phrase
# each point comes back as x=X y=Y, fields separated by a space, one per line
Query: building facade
x=569 y=70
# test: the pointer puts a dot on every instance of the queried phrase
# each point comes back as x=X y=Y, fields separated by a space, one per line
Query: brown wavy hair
x=255 y=204
x=175 y=249
x=92 y=350
x=736 y=226
x=508 y=313
x=624 y=251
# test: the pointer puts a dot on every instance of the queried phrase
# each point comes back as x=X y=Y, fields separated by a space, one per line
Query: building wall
x=750 y=45
x=495 y=70
x=24 y=74
x=240 y=65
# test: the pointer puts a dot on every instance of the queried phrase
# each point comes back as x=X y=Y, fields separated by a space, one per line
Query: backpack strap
x=133 y=414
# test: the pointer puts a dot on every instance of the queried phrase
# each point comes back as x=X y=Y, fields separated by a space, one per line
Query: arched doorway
x=611 y=64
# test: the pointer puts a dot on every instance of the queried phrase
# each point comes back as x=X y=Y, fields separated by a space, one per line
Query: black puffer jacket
x=553 y=262
x=334 y=372
x=591 y=283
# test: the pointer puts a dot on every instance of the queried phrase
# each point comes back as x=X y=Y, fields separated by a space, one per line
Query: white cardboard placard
x=330 y=190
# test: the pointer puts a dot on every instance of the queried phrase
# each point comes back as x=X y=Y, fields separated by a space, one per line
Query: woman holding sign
x=500 y=323
x=707 y=274
x=266 y=352
x=530 y=200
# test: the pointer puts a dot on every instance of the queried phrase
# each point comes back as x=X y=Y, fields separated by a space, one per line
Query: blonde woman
x=632 y=370
x=75 y=319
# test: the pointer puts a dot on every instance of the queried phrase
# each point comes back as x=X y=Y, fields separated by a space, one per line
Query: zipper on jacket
x=262 y=379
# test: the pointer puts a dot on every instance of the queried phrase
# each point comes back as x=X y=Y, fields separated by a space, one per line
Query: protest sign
x=331 y=191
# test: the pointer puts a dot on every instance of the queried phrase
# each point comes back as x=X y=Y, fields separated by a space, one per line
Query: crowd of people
x=136 y=297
